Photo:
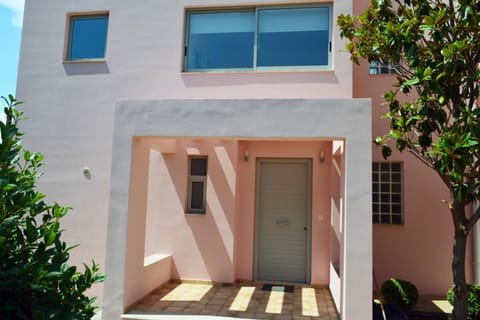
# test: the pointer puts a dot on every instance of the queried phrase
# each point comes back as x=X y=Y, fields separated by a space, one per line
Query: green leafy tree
x=36 y=281
x=434 y=47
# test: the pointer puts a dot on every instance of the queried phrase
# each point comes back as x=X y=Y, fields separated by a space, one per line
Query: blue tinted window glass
x=293 y=37
x=220 y=40
x=88 y=37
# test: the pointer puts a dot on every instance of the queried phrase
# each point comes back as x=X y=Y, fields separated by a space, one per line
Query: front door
x=282 y=220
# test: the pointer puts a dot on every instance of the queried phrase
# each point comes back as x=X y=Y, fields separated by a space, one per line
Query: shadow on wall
x=201 y=244
x=336 y=205
x=217 y=258
x=86 y=68
x=223 y=180
x=245 y=78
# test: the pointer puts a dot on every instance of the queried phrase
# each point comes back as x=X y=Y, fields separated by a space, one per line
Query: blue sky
x=11 y=16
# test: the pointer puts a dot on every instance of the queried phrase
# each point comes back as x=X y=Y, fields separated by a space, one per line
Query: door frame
x=308 y=213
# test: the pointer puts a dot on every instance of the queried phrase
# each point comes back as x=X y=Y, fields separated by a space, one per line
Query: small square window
x=387 y=193
x=385 y=187
x=197 y=185
x=87 y=37
x=385 y=208
x=198 y=167
x=385 y=219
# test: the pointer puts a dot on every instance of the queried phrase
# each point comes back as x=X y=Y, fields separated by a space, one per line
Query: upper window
x=258 y=38
x=87 y=37
x=387 y=193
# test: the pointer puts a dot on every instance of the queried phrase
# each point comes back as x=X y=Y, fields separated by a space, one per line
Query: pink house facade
x=179 y=166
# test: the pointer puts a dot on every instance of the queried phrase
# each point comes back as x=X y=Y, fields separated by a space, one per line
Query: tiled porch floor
x=237 y=301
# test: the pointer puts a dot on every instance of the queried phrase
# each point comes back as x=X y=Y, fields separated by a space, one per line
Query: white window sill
x=251 y=72
x=84 y=61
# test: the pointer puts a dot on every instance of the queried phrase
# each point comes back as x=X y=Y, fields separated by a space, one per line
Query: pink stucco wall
x=420 y=249
x=201 y=245
x=140 y=278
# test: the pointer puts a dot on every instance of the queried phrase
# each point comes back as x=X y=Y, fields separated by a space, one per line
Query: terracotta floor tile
x=174 y=310
x=263 y=316
x=161 y=305
x=192 y=310
x=246 y=301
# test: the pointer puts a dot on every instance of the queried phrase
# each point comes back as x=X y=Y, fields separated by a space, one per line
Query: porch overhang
x=347 y=120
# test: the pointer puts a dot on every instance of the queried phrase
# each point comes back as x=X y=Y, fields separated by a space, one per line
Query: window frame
x=377 y=215
x=68 y=35
x=191 y=180
x=381 y=68
x=255 y=10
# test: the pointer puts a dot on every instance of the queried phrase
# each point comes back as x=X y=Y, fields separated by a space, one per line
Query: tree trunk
x=458 y=263
x=26 y=303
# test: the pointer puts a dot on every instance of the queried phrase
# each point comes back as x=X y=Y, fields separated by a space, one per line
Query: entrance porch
x=240 y=300
x=327 y=146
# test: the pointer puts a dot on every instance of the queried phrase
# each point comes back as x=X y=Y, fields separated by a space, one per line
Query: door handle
x=282 y=223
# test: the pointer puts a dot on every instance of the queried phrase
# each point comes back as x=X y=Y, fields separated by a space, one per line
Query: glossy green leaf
x=386 y=152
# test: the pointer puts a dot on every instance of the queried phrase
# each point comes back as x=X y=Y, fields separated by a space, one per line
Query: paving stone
x=249 y=300
x=215 y=301
x=263 y=316
x=300 y=318
x=192 y=310
x=248 y=315
x=287 y=307
x=227 y=313
x=174 y=309
x=161 y=305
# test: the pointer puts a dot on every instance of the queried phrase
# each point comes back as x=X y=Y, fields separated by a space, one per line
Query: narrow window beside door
x=197 y=184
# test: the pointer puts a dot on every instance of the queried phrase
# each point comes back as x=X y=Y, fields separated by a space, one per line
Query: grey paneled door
x=282 y=220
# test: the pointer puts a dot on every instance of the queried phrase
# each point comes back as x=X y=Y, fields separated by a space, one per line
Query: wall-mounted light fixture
x=322 y=156
x=246 y=156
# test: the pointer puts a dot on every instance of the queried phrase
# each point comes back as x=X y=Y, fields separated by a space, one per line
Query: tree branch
x=429 y=164
x=452 y=16
x=420 y=156
x=403 y=71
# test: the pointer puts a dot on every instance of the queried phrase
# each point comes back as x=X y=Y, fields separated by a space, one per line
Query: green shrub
x=473 y=300
x=399 y=293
